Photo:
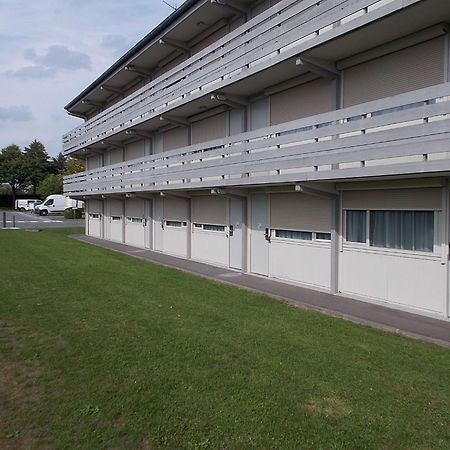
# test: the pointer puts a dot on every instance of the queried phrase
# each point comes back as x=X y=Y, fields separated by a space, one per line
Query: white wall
x=211 y=247
x=175 y=241
x=408 y=281
x=304 y=263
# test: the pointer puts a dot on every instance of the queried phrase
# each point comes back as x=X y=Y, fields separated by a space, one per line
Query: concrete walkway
x=387 y=319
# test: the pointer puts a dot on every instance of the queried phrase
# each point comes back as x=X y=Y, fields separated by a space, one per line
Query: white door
x=115 y=220
x=236 y=233
x=158 y=221
x=259 y=244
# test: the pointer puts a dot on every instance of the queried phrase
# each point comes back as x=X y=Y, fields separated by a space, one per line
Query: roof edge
x=135 y=49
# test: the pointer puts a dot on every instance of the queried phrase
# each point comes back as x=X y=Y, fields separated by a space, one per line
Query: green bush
x=73 y=213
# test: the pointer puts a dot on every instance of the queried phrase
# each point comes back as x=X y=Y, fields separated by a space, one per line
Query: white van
x=56 y=204
x=25 y=204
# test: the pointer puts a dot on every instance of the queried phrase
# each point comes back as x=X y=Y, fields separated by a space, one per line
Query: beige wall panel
x=134 y=207
x=221 y=32
x=304 y=100
x=300 y=212
x=135 y=150
x=210 y=210
x=116 y=155
x=176 y=209
x=406 y=199
x=93 y=162
x=213 y=127
x=175 y=138
x=406 y=70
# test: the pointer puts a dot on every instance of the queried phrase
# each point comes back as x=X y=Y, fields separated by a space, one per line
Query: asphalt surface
x=420 y=327
x=26 y=220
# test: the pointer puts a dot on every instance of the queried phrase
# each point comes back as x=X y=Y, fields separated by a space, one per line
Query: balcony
x=405 y=134
x=276 y=35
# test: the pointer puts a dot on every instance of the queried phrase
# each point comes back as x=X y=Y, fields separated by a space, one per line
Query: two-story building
x=303 y=140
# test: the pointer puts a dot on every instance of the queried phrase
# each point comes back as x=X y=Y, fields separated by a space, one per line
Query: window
x=402 y=230
x=405 y=230
x=300 y=235
x=209 y=227
x=175 y=223
x=49 y=202
x=356 y=226
x=115 y=218
x=135 y=219
x=94 y=216
x=323 y=236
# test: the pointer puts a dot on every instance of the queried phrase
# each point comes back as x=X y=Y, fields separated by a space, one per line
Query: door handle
x=267 y=235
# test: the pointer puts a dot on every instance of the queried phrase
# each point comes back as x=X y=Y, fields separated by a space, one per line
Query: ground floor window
x=402 y=230
x=303 y=235
x=116 y=218
x=94 y=216
x=209 y=227
x=176 y=223
x=405 y=230
x=135 y=219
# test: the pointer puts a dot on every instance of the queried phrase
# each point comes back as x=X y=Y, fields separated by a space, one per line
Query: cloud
x=15 y=114
x=56 y=57
x=117 y=43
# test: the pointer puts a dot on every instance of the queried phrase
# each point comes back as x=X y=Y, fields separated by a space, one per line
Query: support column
x=335 y=215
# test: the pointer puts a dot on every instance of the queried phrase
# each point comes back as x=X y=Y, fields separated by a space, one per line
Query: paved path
x=28 y=220
x=395 y=321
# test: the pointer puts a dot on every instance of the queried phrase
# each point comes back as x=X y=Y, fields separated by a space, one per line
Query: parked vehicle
x=56 y=204
x=34 y=205
x=25 y=204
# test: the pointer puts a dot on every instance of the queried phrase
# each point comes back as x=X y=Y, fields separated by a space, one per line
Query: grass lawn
x=100 y=350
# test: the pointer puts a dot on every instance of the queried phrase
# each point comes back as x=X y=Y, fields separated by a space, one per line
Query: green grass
x=100 y=350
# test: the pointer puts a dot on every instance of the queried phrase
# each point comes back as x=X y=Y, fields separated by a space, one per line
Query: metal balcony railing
x=404 y=134
x=283 y=31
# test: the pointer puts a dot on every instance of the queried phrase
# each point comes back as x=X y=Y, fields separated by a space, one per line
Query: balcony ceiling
x=201 y=17
x=413 y=18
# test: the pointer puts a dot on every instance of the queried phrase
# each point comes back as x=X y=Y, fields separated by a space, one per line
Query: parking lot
x=26 y=220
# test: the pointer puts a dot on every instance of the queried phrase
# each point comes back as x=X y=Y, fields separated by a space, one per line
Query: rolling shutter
x=305 y=100
x=300 y=212
x=175 y=138
x=116 y=155
x=409 y=69
x=176 y=209
x=93 y=162
x=95 y=206
x=394 y=199
x=208 y=129
x=115 y=207
x=210 y=210
x=134 y=150
x=134 y=207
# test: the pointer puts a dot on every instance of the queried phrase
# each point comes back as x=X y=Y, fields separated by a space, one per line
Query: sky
x=50 y=50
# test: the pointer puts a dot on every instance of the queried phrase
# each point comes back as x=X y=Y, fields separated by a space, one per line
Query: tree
x=73 y=165
x=51 y=184
x=59 y=164
x=14 y=169
x=38 y=163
